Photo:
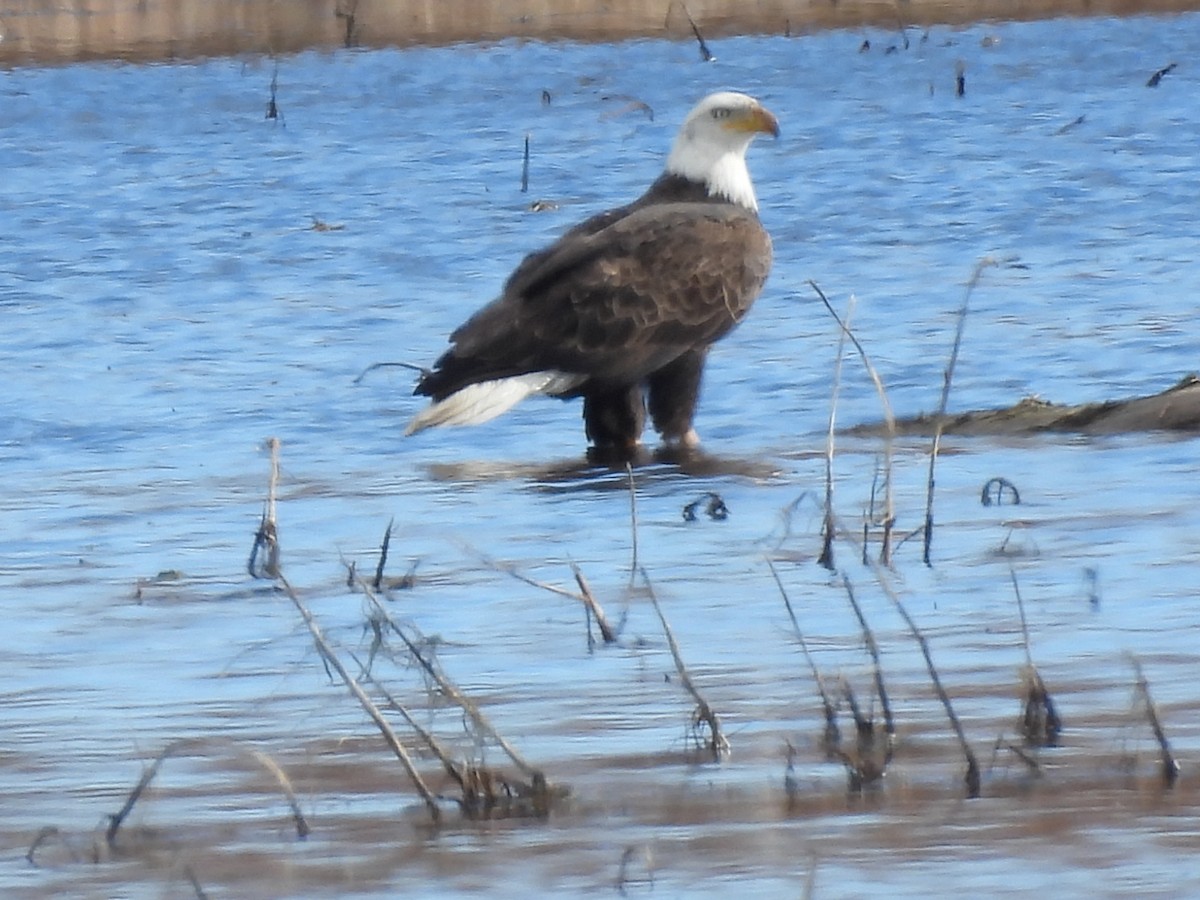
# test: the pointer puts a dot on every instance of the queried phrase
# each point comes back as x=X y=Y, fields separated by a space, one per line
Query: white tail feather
x=484 y=401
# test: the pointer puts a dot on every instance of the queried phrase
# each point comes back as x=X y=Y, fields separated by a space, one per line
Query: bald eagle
x=623 y=308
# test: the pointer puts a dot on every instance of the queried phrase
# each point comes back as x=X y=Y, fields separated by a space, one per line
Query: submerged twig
x=1170 y=766
x=1160 y=74
x=718 y=745
x=193 y=745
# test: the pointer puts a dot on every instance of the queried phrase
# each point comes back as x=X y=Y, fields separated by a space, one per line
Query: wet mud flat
x=49 y=30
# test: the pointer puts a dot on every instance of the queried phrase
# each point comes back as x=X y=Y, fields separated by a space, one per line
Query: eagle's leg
x=674 y=391
x=615 y=418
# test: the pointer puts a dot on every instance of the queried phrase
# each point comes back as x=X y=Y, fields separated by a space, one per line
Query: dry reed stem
x=880 y=689
x=482 y=792
x=889 y=511
x=266 y=539
x=832 y=735
x=972 y=775
x=585 y=597
x=383 y=555
x=593 y=607
x=633 y=522
x=451 y=691
x=826 y=557
x=947 y=379
x=185 y=745
x=1170 y=766
x=718 y=745
x=364 y=701
x=1040 y=724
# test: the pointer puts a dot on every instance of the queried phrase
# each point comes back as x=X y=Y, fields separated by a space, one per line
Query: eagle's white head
x=711 y=146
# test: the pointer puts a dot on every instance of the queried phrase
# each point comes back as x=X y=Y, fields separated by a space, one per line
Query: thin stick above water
x=947 y=379
x=718 y=744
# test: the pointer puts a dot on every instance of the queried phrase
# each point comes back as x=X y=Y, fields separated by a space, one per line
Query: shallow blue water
x=167 y=305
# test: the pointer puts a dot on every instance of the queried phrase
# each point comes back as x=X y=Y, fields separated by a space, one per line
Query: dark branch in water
x=383 y=554
x=632 y=104
x=717 y=744
x=832 y=736
x=715 y=509
x=266 y=539
x=1158 y=76
x=383 y=365
x=960 y=79
x=995 y=490
x=1170 y=766
x=525 y=168
x=273 y=107
x=1040 y=724
x=194 y=746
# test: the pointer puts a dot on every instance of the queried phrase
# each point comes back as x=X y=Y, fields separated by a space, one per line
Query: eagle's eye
x=722 y=112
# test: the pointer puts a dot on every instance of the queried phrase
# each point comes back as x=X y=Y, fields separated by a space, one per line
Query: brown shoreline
x=54 y=31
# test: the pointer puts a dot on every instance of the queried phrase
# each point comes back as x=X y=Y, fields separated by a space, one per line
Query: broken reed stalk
x=873 y=648
x=832 y=736
x=826 y=557
x=889 y=512
x=585 y=597
x=266 y=539
x=192 y=745
x=451 y=691
x=447 y=761
x=947 y=379
x=383 y=554
x=972 y=775
x=525 y=168
x=718 y=745
x=633 y=522
x=593 y=607
x=1170 y=765
x=1040 y=724
x=705 y=53
x=364 y=701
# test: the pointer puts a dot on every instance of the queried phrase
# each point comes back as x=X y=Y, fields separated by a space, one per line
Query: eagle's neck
x=722 y=170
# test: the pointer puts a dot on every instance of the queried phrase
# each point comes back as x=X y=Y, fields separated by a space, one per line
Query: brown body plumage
x=626 y=302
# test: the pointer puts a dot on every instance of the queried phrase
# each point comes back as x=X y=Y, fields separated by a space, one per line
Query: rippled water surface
x=185 y=278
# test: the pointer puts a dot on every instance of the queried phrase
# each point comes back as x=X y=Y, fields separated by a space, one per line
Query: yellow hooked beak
x=757 y=119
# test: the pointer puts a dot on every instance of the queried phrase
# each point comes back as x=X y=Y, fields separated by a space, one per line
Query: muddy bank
x=41 y=31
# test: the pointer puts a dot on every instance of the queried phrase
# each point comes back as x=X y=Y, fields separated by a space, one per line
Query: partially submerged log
x=1175 y=409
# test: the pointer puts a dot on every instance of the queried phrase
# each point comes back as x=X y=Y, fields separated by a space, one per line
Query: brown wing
x=616 y=304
